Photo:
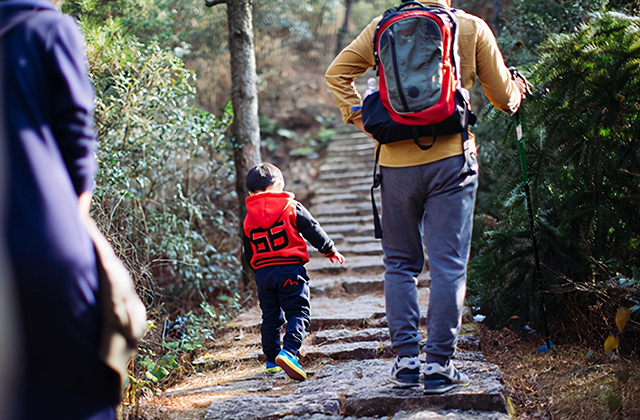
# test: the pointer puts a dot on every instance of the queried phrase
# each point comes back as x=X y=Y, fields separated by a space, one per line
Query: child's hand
x=335 y=257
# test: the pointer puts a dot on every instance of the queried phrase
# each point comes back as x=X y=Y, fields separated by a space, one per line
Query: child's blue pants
x=283 y=292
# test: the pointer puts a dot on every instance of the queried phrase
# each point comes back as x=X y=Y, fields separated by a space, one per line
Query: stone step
x=348 y=209
x=352 y=134
x=354 y=388
x=356 y=285
x=337 y=220
x=345 y=351
x=420 y=415
x=361 y=311
x=366 y=152
x=330 y=176
x=359 y=264
x=349 y=182
x=349 y=143
x=340 y=167
x=371 y=248
x=345 y=149
x=361 y=229
x=366 y=350
x=361 y=239
x=347 y=159
x=350 y=336
x=345 y=198
x=364 y=189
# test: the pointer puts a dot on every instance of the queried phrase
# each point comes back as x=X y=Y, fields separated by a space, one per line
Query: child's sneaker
x=405 y=372
x=289 y=363
x=271 y=368
x=438 y=379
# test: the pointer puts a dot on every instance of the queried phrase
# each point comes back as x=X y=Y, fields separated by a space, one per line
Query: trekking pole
x=527 y=194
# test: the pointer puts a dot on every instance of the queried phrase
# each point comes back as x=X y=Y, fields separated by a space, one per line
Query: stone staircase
x=347 y=352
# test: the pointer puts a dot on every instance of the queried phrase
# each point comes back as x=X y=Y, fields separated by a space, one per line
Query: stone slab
x=349 y=148
x=337 y=167
x=354 y=388
x=366 y=263
x=330 y=198
x=368 y=152
x=347 y=175
x=346 y=209
x=351 y=336
x=330 y=312
x=349 y=229
x=346 y=159
x=345 y=351
x=337 y=220
x=421 y=415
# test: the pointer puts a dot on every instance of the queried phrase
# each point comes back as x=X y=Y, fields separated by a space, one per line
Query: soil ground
x=571 y=382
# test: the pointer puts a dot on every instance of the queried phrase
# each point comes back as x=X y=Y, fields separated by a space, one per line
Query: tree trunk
x=498 y=18
x=245 y=127
x=345 y=26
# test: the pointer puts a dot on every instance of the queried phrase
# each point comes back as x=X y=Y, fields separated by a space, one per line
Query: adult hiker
x=47 y=103
x=428 y=182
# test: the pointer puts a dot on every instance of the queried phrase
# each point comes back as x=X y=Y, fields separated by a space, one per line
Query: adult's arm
x=493 y=73
x=350 y=64
x=73 y=104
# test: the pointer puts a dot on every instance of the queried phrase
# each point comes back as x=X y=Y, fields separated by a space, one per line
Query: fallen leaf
x=610 y=344
x=622 y=317
x=623 y=375
x=614 y=402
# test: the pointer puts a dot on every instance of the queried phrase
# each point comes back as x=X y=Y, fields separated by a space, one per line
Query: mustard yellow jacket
x=479 y=56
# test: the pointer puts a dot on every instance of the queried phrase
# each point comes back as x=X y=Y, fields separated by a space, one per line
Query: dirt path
x=347 y=351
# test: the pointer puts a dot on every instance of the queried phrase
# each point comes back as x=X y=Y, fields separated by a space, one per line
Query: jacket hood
x=265 y=209
x=10 y=8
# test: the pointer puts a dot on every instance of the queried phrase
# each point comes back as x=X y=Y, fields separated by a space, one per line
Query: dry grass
x=573 y=382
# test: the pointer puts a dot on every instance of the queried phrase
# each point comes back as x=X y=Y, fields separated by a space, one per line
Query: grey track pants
x=431 y=203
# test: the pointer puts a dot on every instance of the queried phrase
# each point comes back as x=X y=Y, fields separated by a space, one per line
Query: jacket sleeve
x=493 y=73
x=247 y=250
x=73 y=104
x=350 y=64
x=311 y=230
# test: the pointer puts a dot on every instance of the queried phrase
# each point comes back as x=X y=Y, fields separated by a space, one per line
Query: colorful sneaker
x=289 y=363
x=438 y=379
x=271 y=368
x=405 y=372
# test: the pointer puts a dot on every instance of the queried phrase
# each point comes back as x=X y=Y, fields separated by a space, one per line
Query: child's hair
x=262 y=176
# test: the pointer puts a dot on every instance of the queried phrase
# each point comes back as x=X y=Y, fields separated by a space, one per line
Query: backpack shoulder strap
x=18 y=20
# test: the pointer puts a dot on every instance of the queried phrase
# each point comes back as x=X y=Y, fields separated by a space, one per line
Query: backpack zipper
x=396 y=70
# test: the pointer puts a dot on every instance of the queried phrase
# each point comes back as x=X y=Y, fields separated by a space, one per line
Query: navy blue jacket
x=48 y=104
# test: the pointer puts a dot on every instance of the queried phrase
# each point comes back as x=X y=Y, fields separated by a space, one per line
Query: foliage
x=583 y=152
x=161 y=173
x=164 y=191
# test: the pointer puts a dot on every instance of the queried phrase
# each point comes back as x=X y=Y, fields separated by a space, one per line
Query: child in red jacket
x=274 y=246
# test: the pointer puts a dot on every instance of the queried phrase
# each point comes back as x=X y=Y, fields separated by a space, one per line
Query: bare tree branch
x=211 y=3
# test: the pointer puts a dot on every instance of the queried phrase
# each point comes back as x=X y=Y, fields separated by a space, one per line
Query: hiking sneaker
x=438 y=379
x=289 y=363
x=405 y=372
x=271 y=368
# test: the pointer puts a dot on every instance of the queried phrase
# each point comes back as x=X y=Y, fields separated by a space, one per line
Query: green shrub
x=584 y=155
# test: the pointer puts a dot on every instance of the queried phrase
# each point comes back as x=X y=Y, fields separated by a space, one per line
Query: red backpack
x=421 y=93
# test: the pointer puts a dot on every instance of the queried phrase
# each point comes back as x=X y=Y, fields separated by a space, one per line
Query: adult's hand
x=358 y=123
x=522 y=86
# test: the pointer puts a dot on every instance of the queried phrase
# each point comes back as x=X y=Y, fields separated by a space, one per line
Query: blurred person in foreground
x=65 y=271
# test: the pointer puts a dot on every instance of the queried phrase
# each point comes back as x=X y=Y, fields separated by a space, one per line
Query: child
x=273 y=230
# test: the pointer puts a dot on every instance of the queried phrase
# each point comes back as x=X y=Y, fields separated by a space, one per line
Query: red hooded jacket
x=274 y=229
